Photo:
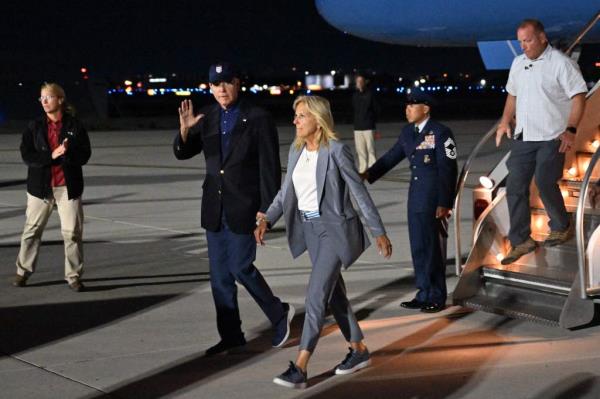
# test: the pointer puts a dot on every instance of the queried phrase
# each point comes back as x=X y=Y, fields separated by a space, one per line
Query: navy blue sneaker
x=293 y=377
x=354 y=361
x=224 y=346
x=281 y=330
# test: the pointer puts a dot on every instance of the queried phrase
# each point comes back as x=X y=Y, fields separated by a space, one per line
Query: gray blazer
x=336 y=179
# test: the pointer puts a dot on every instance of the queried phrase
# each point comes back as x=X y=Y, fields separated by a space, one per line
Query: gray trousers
x=542 y=159
x=325 y=286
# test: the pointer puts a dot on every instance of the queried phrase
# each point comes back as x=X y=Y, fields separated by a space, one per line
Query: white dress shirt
x=544 y=88
x=304 y=178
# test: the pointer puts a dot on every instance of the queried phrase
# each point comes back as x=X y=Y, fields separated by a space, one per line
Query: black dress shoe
x=433 y=307
x=224 y=346
x=413 y=304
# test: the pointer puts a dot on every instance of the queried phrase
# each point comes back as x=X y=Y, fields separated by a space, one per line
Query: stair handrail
x=583 y=32
x=579 y=219
x=464 y=173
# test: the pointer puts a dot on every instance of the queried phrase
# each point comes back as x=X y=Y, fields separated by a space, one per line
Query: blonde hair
x=320 y=109
x=59 y=92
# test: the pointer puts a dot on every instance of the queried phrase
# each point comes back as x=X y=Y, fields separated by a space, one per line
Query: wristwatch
x=259 y=220
x=571 y=129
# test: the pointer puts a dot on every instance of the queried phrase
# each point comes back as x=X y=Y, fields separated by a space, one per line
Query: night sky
x=116 y=38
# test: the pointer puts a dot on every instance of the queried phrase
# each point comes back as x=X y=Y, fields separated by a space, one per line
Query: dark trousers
x=542 y=160
x=230 y=257
x=428 y=250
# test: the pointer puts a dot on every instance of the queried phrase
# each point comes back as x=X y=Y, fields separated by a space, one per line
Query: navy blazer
x=247 y=179
x=336 y=178
x=432 y=156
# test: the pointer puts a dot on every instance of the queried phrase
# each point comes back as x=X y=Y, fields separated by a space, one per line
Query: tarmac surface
x=141 y=327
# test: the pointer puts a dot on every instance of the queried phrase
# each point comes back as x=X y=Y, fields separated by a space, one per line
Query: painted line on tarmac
x=37 y=366
x=145 y=226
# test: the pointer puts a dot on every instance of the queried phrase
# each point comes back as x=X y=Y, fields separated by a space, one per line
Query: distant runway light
x=422 y=80
x=417 y=83
x=184 y=93
x=83 y=70
x=128 y=83
x=482 y=82
x=332 y=72
x=157 y=80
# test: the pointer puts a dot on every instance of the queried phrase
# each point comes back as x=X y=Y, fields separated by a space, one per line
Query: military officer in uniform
x=431 y=151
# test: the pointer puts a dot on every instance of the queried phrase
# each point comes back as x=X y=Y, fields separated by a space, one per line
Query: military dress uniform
x=432 y=156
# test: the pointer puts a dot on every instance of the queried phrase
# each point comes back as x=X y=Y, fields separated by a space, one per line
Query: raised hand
x=187 y=119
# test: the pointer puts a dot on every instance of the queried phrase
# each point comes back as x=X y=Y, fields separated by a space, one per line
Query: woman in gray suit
x=315 y=202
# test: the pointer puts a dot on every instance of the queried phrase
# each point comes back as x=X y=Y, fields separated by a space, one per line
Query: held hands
x=501 y=131
x=187 y=119
x=61 y=149
x=441 y=212
x=567 y=140
x=384 y=245
x=260 y=230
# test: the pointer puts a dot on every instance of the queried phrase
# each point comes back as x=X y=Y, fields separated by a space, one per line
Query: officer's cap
x=420 y=97
x=222 y=72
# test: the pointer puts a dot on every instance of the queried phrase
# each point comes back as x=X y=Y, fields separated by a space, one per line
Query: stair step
x=540 y=278
x=517 y=302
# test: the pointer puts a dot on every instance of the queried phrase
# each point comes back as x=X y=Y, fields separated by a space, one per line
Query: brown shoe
x=560 y=237
x=20 y=281
x=76 y=285
x=518 y=251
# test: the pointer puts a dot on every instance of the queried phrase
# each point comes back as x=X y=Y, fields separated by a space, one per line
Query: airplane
x=558 y=285
x=489 y=24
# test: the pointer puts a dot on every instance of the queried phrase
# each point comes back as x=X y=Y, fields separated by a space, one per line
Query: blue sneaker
x=354 y=361
x=293 y=377
x=281 y=330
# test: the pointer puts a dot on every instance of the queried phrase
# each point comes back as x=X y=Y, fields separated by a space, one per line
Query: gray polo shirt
x=544 y=88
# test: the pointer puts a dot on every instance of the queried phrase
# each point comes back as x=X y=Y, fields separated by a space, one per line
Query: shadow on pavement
x=25 y=327
x=418 y=367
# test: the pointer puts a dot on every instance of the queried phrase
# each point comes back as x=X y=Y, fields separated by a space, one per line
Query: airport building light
x=157 y=80
x=127 y=82
x=183 y=93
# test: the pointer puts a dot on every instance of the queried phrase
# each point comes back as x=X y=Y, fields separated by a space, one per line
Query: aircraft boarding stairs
x=557 y=285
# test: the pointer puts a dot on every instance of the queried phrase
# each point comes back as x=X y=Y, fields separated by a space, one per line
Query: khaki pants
x=38 y=211
x=365 y=149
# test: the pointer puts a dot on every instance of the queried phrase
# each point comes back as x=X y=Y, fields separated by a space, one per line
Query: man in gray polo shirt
x=547 y=93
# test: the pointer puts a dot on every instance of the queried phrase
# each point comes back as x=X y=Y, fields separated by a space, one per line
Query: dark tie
x=416 y=131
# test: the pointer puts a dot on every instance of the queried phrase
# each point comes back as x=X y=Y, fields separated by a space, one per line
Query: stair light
x=500 y=256
x=596 y=144
x=486 y=182
x=572 y=171
x=539 y=222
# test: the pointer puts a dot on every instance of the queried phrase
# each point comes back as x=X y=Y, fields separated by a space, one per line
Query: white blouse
x=304 y=178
